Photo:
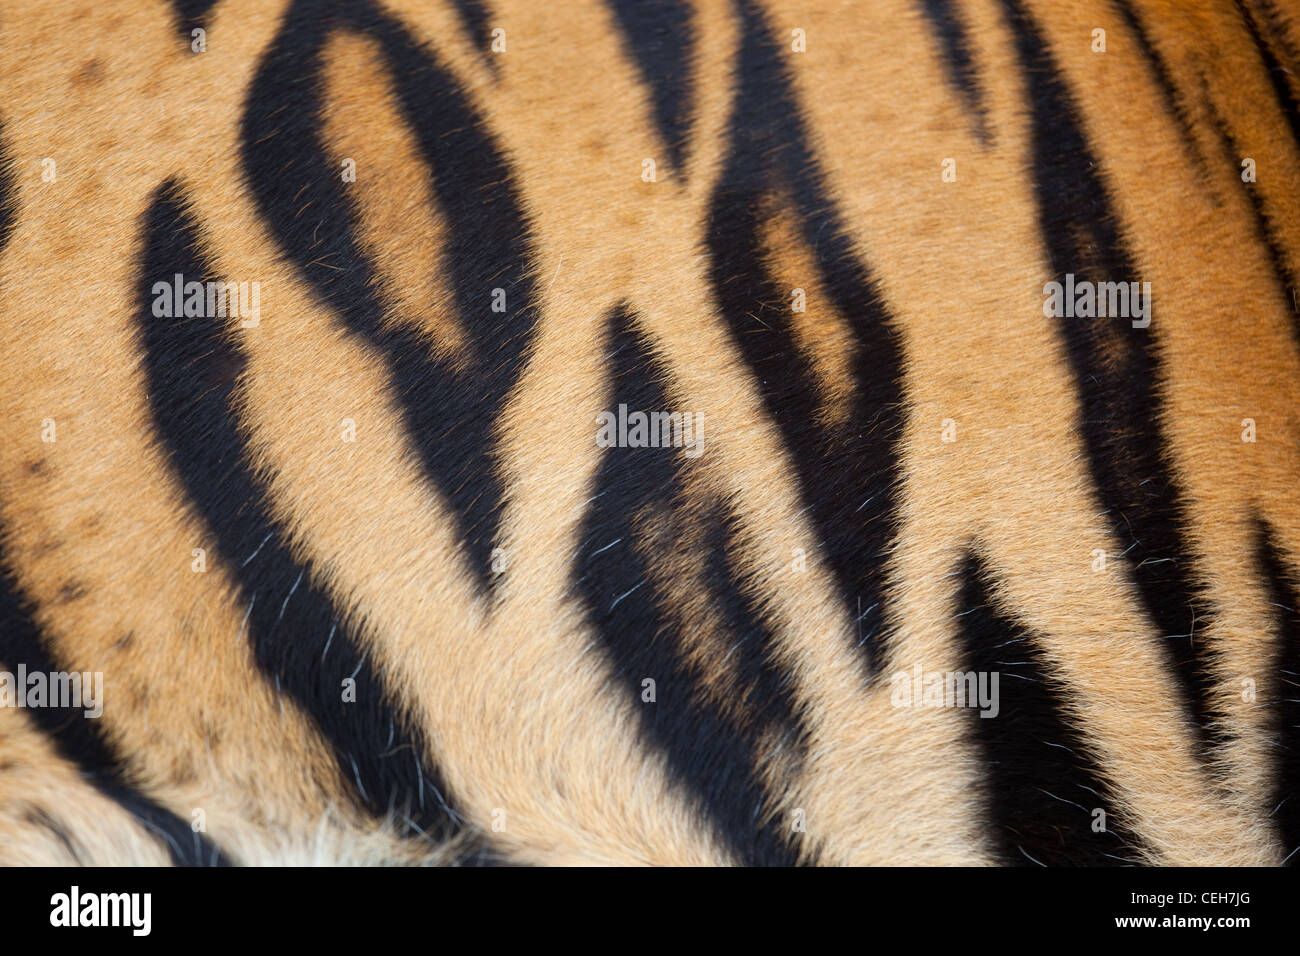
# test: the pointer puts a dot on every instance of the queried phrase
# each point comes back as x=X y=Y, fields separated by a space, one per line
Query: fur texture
x=363 y=586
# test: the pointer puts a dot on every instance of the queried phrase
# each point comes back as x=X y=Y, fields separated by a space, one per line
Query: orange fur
x=520 y=711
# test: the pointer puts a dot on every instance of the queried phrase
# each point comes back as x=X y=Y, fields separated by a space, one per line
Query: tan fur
x=521 y=713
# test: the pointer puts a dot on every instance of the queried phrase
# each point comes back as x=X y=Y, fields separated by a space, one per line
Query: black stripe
x=75 y=737
x=1288 y=103
x=191 y=14
x=949 y=29
x=8 y=194
x=450 y=412
x=1289 y=106
x=716 y=729
x=1168 y=89
x=297 y=635
x=847 y=474
x=474 y=16
x=39 y=817
x=1265 y=232
x=79 y=740
x=1285 y=686
x=659 y=34
x=1116 y=369
x=1042 y=788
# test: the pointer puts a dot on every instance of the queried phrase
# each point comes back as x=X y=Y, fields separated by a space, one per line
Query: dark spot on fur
x=46 y=546
x=90 y=74
x=223 y=368
x=36 y=467
x=71 y=591
x=123 y=642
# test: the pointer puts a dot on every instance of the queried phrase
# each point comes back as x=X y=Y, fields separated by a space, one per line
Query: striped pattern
x=361 y=584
